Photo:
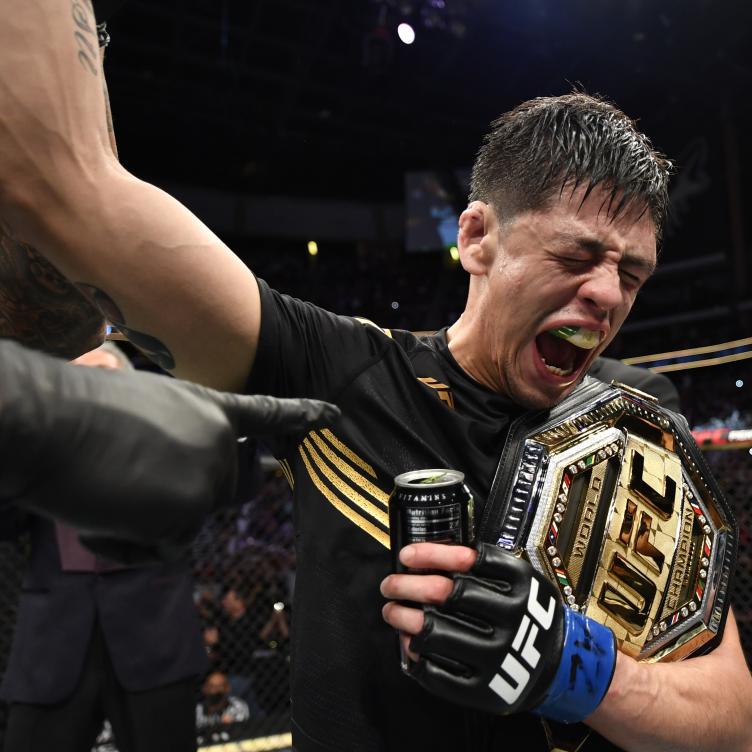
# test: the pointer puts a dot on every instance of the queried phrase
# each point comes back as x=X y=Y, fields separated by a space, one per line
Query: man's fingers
x=438 y=556
x=420 y=588
x=403 y=618
x=405 y=643
x=259 y=415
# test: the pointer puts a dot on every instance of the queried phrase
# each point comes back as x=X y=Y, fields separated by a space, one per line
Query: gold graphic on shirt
x=342 y=449
x=350 y=473
x=380 y=535
x=343 y=487
x=335 y=471
x=368 y=322
x=444 y=391
x=287 y=472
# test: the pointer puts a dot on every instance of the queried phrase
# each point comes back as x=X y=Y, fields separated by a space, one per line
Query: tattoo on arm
x=150 y=346
x=40 y=308
x=86 y=35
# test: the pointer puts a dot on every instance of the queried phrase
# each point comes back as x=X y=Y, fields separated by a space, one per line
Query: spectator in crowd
x=210 y=635
x=207 y=606
x=238 y=635
x=219 y=712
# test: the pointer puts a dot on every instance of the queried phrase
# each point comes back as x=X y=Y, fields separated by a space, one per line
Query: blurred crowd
x=243 y=566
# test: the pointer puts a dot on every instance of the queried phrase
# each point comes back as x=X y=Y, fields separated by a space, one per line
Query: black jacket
x=147 y=617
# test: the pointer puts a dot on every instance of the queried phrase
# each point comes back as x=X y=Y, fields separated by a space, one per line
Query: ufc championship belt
x=608 y=495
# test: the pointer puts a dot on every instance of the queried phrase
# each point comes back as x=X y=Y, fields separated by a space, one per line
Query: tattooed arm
x=40 y=308
x=153 y=268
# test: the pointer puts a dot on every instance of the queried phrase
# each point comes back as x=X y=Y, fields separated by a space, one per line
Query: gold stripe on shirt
x=366 y=526
x=347 y=452
x=287 y=472
x=350 y=474
x=344 y=488
x=368 y=322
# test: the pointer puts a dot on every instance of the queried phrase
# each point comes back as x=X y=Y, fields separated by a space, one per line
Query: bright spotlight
x=313 y=247
x=739 y=383
x=406 y=33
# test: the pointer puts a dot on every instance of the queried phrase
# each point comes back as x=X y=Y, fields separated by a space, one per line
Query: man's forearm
x=40 y=308
x=681 y=706
x=158 y=273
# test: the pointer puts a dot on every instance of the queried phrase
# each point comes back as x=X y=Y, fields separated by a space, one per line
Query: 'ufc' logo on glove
x=503 y=642
x=523 y=645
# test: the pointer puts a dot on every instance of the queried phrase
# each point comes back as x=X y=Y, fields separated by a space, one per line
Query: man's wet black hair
x=551 y=144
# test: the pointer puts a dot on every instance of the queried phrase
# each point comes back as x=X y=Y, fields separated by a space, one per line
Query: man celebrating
x=561 y=232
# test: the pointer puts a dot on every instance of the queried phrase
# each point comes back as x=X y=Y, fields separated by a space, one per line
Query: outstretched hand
x=127 y=456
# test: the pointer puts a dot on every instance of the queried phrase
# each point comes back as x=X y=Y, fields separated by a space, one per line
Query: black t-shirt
x=406 y=404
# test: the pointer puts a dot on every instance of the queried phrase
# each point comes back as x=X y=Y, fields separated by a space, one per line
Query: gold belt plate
x=623 y=515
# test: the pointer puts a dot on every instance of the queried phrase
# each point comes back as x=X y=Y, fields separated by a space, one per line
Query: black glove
x=503 y=642
x=128 y=456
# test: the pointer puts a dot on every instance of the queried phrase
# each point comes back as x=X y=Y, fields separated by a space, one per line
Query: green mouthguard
x=579 y=337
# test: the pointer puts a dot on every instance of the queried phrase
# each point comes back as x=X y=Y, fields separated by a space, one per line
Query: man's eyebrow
x=638 y=261
x=596 y=247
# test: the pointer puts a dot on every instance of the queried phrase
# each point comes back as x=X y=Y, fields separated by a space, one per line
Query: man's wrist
x=588 y=660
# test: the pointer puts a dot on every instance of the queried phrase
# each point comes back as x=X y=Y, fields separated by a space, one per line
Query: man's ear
x=475 y=223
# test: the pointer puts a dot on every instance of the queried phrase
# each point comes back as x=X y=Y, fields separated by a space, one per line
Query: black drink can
x=433 y=506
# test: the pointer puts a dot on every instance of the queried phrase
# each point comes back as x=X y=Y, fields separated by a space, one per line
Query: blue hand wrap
x=588 y=659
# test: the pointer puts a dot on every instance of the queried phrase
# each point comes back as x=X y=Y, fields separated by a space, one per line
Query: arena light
x=313 y=248
x=739 y=383
x=454 y=253
x=406 y=33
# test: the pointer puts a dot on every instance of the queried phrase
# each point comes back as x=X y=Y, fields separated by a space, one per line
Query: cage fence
x=244 y=568
x=733 y=471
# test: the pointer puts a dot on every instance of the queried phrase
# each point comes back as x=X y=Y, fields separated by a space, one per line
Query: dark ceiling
x=319 y=98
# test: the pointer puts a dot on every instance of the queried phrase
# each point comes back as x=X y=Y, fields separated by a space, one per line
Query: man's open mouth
x=565 y=350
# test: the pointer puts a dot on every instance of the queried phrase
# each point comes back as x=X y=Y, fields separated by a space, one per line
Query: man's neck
x=462 y=341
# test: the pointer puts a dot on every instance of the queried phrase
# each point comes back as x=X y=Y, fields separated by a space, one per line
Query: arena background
x=283 y=123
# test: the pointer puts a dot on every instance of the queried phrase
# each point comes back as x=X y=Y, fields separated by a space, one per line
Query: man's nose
x=602 y=289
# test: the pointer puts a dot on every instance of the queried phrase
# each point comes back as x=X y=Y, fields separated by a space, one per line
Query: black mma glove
x=128 y=456
x=503 y=642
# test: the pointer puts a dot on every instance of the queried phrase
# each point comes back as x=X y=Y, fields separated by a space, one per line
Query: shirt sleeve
x=306 y=351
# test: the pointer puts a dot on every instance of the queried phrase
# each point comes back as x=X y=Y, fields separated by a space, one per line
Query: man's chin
x=543 y=399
